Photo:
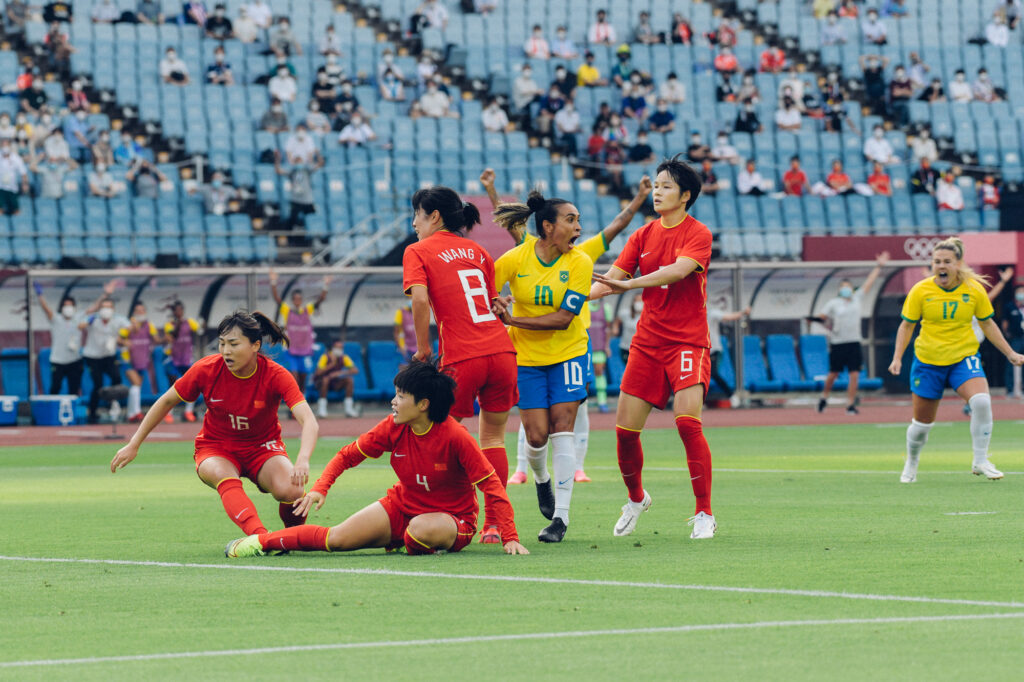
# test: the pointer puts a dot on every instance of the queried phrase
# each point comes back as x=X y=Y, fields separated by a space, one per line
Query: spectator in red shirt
x=726 y=61
x=838 y=180
x=773 y=59
x=794 y=181
x=682 y=32
x=879 y=181
x=595 y=144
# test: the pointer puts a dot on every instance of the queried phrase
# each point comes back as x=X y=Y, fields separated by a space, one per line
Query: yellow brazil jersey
x=594 y=247
x=346 y=361
x=539 y=289
x=946 y=336
x=286 y=309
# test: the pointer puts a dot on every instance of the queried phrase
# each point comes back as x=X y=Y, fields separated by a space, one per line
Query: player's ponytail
x=965 y=271
x=253 y=326
x=457 y=216
x=511 y=215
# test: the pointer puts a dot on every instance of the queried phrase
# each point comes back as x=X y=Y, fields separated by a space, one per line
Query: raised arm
x=1005 y=275
x=622 y=221
x=487 y=180
x=273 y=286
x=108 y=290
x=324 y=288
x=42 y=301
x=880 y=261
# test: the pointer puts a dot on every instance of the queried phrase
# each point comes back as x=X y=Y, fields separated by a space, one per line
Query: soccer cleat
x=554 y=532
x=546 y=499
x=490 y=536
x=704 y=526
x=987 y=470
x=243 y=547
x=190 y=416
x=581 y=476
x=351 y=412
x=852 y=409
x=967 y=409
x=631 y=511
x=909 y=474
x=822 y=403
x=136 y=418
x=169 y=418
x=517 y=478
x=321 y=414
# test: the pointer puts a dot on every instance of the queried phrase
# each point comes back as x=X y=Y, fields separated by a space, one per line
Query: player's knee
x=981 y=405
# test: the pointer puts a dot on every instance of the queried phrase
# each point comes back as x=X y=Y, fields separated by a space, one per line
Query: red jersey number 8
x=476 y=292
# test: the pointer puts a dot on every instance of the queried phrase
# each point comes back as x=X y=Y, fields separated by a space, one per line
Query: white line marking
x=823 y=594
x=968 y=513
x=849 y=472
x=512 y=637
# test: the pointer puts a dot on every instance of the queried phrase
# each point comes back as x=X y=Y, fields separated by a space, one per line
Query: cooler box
x=53 y=410
x=8 y=410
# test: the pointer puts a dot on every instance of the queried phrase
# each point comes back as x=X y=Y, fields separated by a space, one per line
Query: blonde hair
x=963 y=269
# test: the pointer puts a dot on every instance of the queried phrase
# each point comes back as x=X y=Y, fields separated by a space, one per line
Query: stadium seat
x=781 y=354
x=755 y=371
x=362 y=389
x=814 y=358
x=383 y=360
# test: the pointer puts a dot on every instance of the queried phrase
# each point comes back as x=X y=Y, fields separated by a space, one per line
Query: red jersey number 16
x=239 y=423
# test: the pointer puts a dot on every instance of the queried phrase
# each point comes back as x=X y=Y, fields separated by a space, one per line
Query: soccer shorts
x=489 y=378
x=929 y=381
x=547 y=385
x=846 y=356
x=465 y=528
x=654 y=374
x=248 y=459
x=298 y=363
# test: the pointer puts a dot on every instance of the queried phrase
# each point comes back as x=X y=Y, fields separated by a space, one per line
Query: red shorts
x=247 y=459
x=489 y=378
x=465 y=528
x=655 y=374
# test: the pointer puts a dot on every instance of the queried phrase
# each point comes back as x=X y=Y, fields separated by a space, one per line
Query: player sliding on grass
x=241 y=434
x=946 y=352
x=670 y=352
x=432 y=507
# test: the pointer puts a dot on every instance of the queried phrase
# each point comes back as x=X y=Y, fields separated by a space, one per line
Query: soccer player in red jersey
x=454 y=276
x=432 y=507
x=241 y=434
x=670 y=353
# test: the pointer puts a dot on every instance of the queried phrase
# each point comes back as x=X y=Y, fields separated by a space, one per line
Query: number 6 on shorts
x=686 y=362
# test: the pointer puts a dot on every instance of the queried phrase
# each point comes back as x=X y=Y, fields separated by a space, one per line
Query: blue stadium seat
x=14 y=372
x=814 y=358
x=383 y=360
x=362 y=389
x=755 y=372
x=781 y=354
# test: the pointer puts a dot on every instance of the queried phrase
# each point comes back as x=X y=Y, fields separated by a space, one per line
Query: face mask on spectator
x=217 y=184
x=879 y=133
x=388 y=58
x=101 y=168
x=346 y=88
x=68 y=311
x=845 y=291
x=81 y=115
x=277 y=108
x=219 y=57
x=1019 y=296
x=106 y=313
x=337 y=352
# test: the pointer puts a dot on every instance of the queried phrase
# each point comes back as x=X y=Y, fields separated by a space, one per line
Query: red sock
x=631 y=461
x=499 y=460
x=414 y=546
x=288 y=515
x=302 y=538
x=239 y=507
x=698 y=459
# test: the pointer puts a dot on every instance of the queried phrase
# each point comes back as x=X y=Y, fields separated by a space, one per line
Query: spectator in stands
x=493 y=117
x=662 y=120
x=791 y=85
x=219 y=73
x=357 y=133
x=787 y=117
x=33 y=99
x=75 y=97
x=219 y=27
x=283 y=40
x=563 y=46
x=49 y=177
x=59 y=47
x=879 y=149
x=812 y=104
x=536 y=46
x=959 y=88
x=567 y=126
x=596 y=142
x=918 y=71
x=7 y=129
x=146 y=179
x=708 y=179
x=105 y=12
x=1010 y=10
x=565 y=81
x=988 y=193
x=435 y=103
x=622 y=69
x=604 y=114
x=331 y=43
x=641 y=152
x=948 y=196
x=873 y=66
x=723 y=150
x=749 y=180
x=194 y=12
x=245 y=28
x=300 y=196
x=924 y=179
x=748 y=91
x=838 y=181
x=634 y=104
x=217 y=194
x=773 y=58
x=275 y=120
x=15 y=16
x=879 y=181
x=77 y=132
x=550 y=104
x=283 y=85
x=747 y=120
x=833 y=32
x=901 y=89
x=922 y=146
x=173 y=69
x=984 y=90
x=102 y=183
x=725 y=61
x=682 y=31
x=316 y=120
x=387 y=63
x=23 y=132
x=848 y=8
x=102 y=151
x=588 y=74
x=697 y=151
x=894 y=8
x=300 y=147
x=933 y=92
x=56 y=148
x=430 y=14
x=426 y=69
x=725 y=91
x=725 y=34
x=616 y=130
x=873 y=30
x=129 y=152
x=146 y=12
x=643 y=32
x=324 y=92
x=525 y=91
x=391 y=87
x=259 y=11
x=11 y=168
x=672 y=90
x=485 y=7
x=821 y=8
x=614 y=157
x=601 y=32
x=794 y=180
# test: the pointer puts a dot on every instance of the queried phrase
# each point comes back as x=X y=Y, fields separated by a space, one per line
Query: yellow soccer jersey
x=346 y=361
x=594 y=248
x=540 y=288
x=286 y=309
x=946 y=336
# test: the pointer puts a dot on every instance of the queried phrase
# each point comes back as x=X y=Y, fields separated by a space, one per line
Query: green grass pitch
x=843 y=573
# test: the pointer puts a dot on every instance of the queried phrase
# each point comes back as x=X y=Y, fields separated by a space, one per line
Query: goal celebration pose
x=432 y=507
x=454 y=276
x=549 y=280
x=946 y=353
x=670 y=352
x=241 y=434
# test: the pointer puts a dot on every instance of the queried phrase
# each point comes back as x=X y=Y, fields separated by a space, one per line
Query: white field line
x=849 y=472
x=968 y=513
x=819 y=594
x=545 y=636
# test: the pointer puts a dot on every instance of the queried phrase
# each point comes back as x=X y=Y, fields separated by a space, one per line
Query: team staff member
x=432 y=507
x=297 y=319
x=102 y=332
x=454 y=276
x=181 y=334
x=946 y=353
x=670 y=352
x=335 y=372
x=138 y=338
x=66 y=361
x=549 y=280
x=241 y=434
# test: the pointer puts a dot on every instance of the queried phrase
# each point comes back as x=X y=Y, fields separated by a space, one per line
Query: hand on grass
x=302 y=507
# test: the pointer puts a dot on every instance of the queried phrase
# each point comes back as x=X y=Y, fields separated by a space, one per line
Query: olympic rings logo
x=920 y=248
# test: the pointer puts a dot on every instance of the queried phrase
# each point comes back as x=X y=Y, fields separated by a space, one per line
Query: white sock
x=581 y=432
x=981 y=425
x=538 y=461
x=563 y=457
x=190 y=407
x=1016 y=380
x=917 y=436
x=134 y=400
x=321 y=405
x=521 y=458
x=348 y=402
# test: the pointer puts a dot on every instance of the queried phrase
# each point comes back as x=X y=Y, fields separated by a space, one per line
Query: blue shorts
x=929 y=381
x=298 y=363
x=590 y=365
x=547 y=385
x=175 y=372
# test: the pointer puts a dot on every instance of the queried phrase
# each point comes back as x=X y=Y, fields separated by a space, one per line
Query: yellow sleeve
x=322 y=362
x=152 y=330
x=983 y=309
x=124 y=332
x=595 y=247
x=912 y=305
x=347 y=363
x=193 y=325
x=398 y=317
x=169 y=327
x=284 y=310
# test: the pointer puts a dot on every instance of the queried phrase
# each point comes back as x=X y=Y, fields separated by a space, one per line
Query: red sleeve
x=284 y=383
x=697 y=247
x=629 y=258
x=413 y=271
x=373 y=443
x=190 y=385
x=481 y=474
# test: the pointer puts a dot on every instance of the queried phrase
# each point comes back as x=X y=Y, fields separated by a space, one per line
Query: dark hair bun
x=535 y=201
x=471 y=214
